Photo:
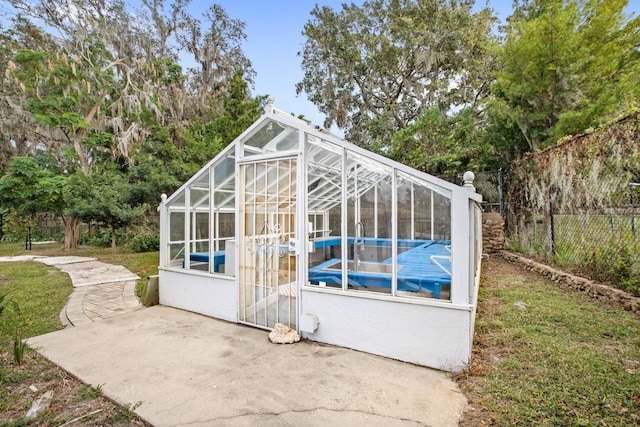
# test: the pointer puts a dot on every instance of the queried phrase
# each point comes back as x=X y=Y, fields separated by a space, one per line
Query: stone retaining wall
x=492 y=232
x=580 y=284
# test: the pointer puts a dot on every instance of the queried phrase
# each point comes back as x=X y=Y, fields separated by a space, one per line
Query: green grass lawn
x=41 y=292
x=546 y=356
x=143 y=264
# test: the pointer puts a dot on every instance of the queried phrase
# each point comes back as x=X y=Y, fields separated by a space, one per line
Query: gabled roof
x=279 y=132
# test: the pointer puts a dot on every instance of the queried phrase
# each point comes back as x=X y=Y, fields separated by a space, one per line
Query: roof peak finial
x=468 y=178
x=269 y=107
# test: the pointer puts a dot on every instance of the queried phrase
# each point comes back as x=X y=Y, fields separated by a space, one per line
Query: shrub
x=12 y=323
x=145 y=242
x=14 y=227
x=613 y=264
x=101 y=239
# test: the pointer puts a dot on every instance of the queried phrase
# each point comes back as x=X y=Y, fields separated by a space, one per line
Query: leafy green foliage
x=587 y=178
x=566 y=66
x=29 y=188
x=238 y=112
x=376 y=69
x=145 y=242
x=14 y=322
x=441 y=144
x=105 y=198
x=613 y=262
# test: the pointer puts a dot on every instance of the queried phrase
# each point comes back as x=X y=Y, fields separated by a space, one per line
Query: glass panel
x=422 y=212
x=424 y=245
x=404 y=212
x=177 y=202
x=176 y=239
x=370 y=265
x=222 y=242
x=199 y=223
x=442 y=216
x=384 y=209
x=208 y=231
x=324 y=175
x=288 y=142
x=324 y=205
x=224 y=200
x=271 y=137
x=224 y=177
x=199 y=241
x=227 y=225
x=265 y=134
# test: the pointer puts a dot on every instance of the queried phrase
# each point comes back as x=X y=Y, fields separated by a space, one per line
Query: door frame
x=296 y=229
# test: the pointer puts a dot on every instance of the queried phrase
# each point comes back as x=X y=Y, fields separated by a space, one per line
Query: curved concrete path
x=100 y=290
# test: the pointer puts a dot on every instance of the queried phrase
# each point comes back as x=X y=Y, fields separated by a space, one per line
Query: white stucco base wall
x=428 y=335
x=214 y=296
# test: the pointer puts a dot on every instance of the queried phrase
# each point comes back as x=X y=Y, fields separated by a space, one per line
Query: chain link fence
x=577 y=205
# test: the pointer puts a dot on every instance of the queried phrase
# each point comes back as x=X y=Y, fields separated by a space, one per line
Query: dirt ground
x=73 y=402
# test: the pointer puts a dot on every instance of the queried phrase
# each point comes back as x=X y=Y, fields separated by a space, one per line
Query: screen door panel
x=267 y=235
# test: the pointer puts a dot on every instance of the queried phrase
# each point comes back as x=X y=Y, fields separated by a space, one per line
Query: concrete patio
x=179 y=368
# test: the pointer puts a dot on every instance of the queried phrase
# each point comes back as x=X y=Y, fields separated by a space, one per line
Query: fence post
x=633 y=216
x=611 y=224
x=27 y=241
x=501 y=191
x=552 y=224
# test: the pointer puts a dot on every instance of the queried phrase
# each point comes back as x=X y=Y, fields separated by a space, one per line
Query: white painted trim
x=164 y=234
x=279 y=155
x=460 y=247
x=386 y=297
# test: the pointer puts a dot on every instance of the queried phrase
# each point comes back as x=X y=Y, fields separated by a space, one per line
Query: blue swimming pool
x=416 y=270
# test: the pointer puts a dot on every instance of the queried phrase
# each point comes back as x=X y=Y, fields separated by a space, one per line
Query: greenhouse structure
x=292 y=224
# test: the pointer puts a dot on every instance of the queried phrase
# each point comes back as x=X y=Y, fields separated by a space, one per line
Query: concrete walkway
x=176 y=368
x=100 y=291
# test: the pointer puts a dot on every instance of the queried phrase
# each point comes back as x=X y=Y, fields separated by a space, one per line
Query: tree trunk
x=113 y=239
x=71 y=233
